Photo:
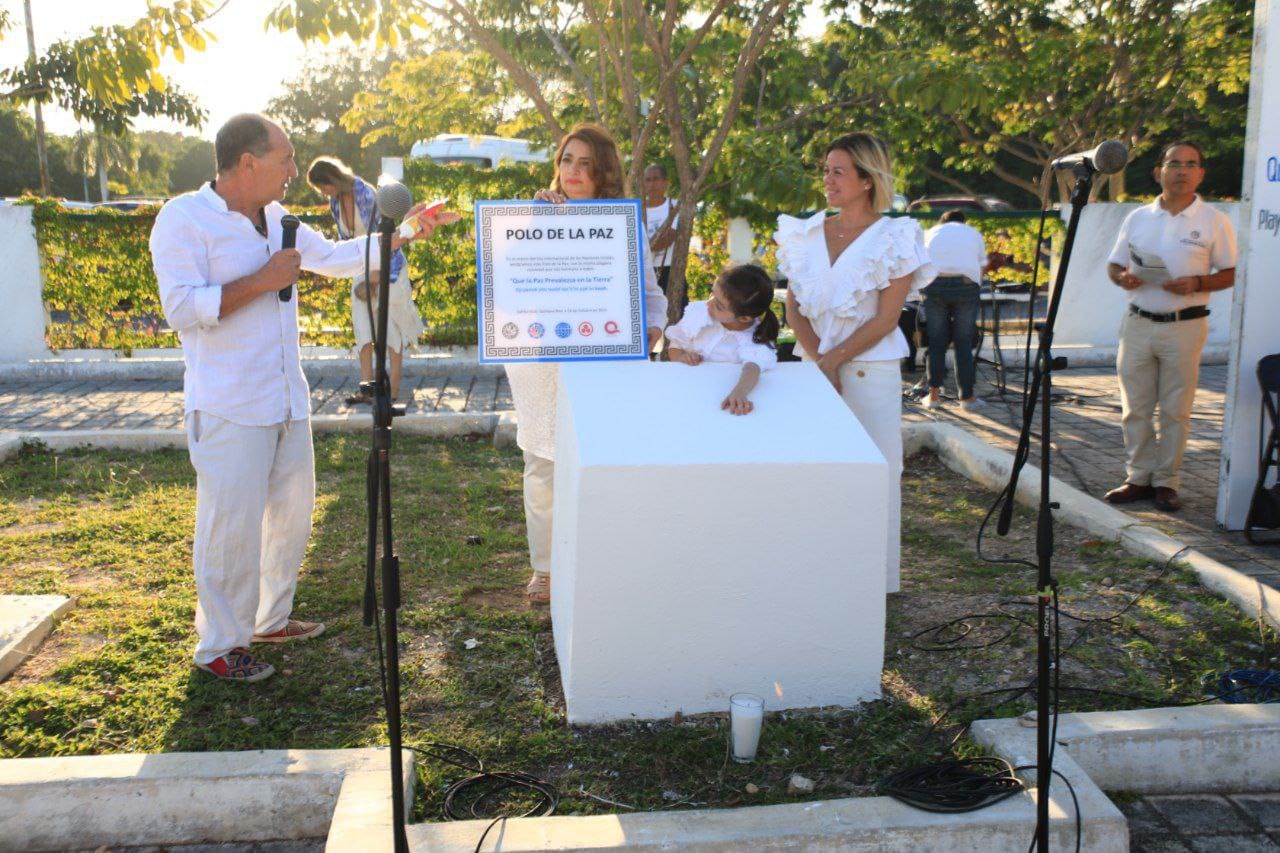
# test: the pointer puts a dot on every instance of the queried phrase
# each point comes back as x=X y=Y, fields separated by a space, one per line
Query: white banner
x=1257 y=303
x=559 y=282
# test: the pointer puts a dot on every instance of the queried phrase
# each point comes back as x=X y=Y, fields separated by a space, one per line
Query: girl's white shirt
x=838 y=298
x=697 y=332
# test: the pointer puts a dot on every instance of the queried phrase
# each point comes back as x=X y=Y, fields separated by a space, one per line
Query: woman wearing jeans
x=849 y=275
x=951 y=304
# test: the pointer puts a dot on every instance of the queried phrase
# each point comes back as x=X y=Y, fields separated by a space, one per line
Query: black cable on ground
x=961 y=785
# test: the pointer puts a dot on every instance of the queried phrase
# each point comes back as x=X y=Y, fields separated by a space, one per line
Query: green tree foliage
x=1005 y=86
x=111 y=76
x=19 y=171
x=444 y=91
x=311 y=110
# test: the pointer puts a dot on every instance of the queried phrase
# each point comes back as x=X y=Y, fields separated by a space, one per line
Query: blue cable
x=1243 y=685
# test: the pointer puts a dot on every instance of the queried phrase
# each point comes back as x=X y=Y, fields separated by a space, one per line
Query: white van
x=482 y=151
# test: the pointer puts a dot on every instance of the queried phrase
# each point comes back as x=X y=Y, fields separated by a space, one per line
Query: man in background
x=660 y=221
x=951 y=304
x=1170 y=256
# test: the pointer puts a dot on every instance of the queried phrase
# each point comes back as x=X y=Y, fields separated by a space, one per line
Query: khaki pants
x=1158 y=363
x=539 y=482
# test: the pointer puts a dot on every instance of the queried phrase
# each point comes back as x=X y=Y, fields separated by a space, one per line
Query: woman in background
x=353 y=206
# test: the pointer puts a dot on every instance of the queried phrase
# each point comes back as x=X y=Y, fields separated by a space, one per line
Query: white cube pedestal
x=697 y=554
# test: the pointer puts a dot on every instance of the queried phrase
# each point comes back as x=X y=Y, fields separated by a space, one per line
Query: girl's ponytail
x=750 y=293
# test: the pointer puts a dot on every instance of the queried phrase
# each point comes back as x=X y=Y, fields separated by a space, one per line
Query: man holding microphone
x=226 y=287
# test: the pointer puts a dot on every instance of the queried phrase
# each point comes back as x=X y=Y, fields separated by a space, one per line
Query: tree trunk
x=41 y=153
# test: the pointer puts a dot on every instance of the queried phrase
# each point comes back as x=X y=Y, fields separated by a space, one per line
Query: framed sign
x=560 y=282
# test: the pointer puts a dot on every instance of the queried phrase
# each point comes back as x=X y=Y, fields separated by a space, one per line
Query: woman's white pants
x=873 y=392
x=255 y=489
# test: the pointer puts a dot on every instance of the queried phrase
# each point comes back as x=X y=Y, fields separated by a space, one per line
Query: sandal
x=539 y=589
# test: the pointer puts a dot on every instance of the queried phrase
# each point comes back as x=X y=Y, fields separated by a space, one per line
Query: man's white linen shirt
x=957 y=249
x=244 y=367
x=1197 y=241
x=697 y=332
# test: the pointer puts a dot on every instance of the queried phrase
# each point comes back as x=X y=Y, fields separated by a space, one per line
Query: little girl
x=735 y=326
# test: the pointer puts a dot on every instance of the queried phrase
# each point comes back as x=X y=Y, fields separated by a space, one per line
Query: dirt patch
x=510 y=600
x=57 y=647
x=30 y=529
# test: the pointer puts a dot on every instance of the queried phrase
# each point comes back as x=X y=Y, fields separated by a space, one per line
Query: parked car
x=940 y=203
x=482 y=151
x=128 y=205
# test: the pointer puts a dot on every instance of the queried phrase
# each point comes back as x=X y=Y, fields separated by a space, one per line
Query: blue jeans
x=951 y=316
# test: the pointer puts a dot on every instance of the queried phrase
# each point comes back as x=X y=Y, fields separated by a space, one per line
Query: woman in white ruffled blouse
x=587 y=166
x=848 y=277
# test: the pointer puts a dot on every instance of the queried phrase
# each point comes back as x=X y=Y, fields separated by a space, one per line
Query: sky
x=240 y=72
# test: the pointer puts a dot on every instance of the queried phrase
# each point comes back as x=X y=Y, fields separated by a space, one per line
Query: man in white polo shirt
x=1170 y=255
x=221 y=269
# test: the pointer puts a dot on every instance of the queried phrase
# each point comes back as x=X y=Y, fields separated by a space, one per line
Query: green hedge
x=101 y=292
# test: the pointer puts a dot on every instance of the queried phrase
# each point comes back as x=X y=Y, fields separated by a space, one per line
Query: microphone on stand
x=1108 y=158
x=288 y=240
x=394 y=200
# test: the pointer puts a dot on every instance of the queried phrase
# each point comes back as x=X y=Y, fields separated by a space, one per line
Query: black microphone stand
x=1039 y=391
x=378 y=494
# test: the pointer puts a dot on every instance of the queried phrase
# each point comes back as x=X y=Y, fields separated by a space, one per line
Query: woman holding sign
x=849 y=275
x=587 y=166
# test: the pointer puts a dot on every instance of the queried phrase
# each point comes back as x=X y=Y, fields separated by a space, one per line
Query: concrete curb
x=317 y=362
x=1204 y=749
x=971 y=457
x=435 y=425
x=83 y=802
x=856 y=824
x=25 y=620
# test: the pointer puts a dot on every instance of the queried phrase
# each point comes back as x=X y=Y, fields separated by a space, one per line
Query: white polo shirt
x=654 y=217
x=957 y=249
x=244 y=367
x=1198 y=241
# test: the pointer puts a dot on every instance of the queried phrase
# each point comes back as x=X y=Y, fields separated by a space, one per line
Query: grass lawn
x=113 y=529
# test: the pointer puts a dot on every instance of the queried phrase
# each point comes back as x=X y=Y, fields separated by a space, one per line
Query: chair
x=1264 y=507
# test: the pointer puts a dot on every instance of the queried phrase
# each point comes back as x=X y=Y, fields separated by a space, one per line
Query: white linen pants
x=1157 y=363
x=539 y=482
x=873 y=392
x=255 y=489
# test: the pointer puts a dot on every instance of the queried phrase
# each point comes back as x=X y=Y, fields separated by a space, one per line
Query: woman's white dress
x=404 y=324
x=837 y=299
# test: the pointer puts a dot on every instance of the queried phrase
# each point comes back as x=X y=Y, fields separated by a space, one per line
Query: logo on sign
x=610 y=327
x=510 y=330
x=537 y=330
x=563 y=330
x=1273 y=169
x=586 y=329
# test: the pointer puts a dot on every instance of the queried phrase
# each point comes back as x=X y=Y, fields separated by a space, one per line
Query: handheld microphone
x=1108 y=158
x=288 y=240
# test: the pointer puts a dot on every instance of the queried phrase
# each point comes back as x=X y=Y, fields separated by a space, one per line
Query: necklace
x=852 y=232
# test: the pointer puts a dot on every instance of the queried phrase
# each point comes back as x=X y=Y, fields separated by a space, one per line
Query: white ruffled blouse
x=838 y=298
x=697 y=332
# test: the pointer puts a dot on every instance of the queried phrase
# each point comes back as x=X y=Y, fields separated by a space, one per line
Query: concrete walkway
x=101 y=404
x=1087 y=440
x=1089 y=453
